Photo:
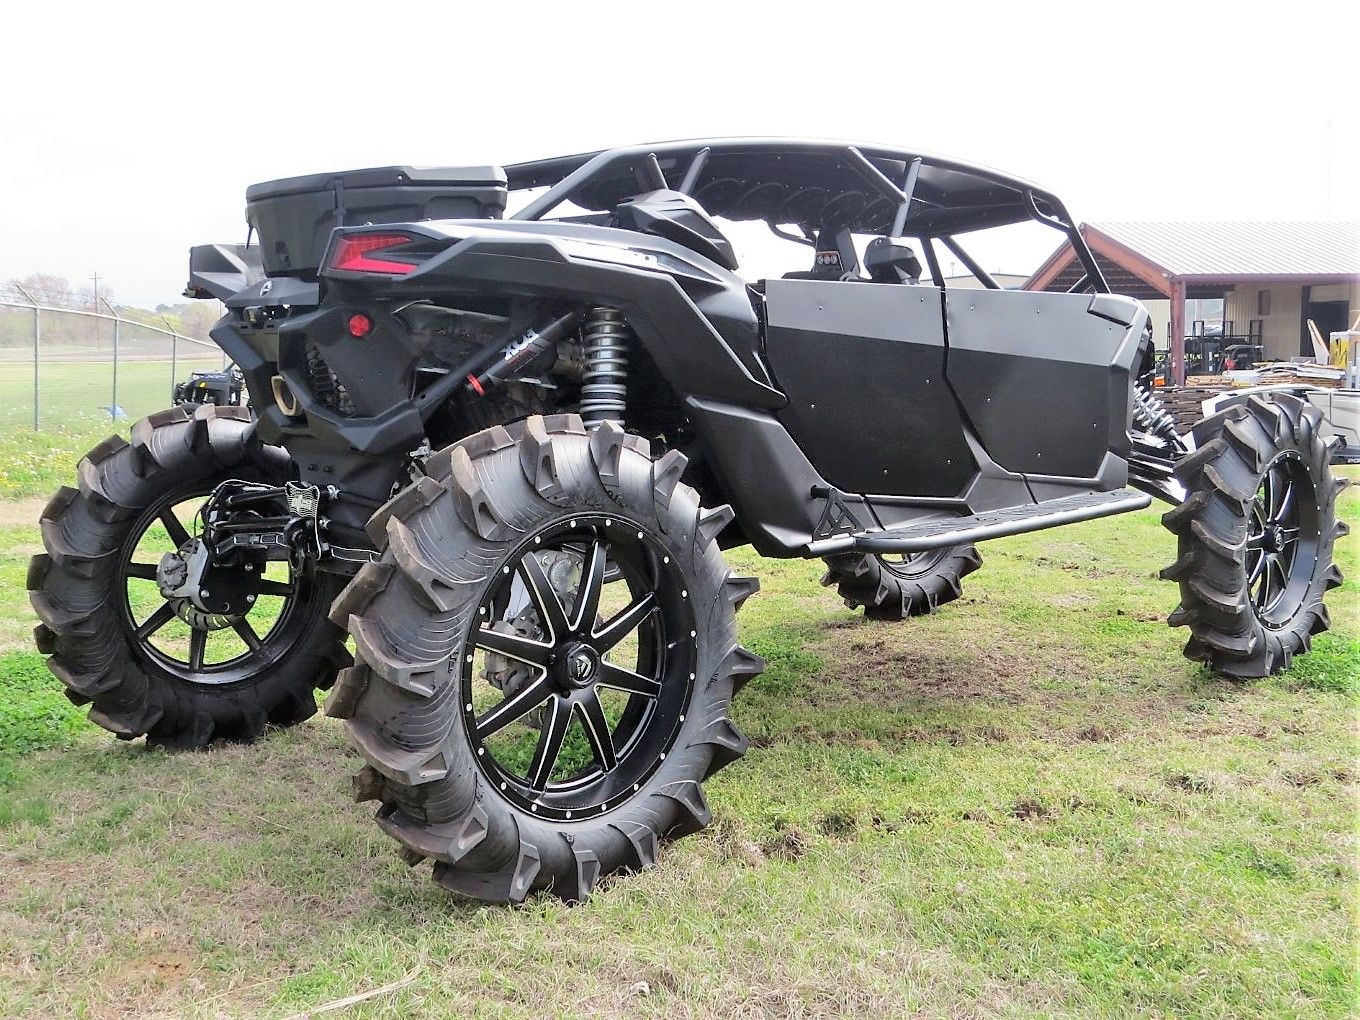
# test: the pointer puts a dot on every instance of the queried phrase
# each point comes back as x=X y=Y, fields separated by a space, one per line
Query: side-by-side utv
x=499 y=459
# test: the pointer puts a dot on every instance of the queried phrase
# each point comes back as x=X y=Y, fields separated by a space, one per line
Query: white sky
x=129 y=131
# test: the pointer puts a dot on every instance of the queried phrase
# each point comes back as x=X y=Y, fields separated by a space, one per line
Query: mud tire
x=443 y=540
x=1236 y=449
x=76 y=587
x=893 y=590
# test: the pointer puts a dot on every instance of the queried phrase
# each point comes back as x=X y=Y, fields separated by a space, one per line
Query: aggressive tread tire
x=443 y=540
x=1234 y=451
x=75 y=588
x=890 y=591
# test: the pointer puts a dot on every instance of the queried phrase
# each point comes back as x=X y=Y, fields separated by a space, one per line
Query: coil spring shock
x=604 y=386
x=1149 y=410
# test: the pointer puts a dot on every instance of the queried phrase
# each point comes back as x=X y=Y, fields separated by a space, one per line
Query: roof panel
x=1243 y=248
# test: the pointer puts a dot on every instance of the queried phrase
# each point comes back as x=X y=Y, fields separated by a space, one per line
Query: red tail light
x=354 y=253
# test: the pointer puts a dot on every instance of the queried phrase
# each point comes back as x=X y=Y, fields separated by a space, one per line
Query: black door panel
x=863 y=367
x=1043 y=380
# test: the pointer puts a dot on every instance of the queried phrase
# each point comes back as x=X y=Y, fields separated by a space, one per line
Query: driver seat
x=892 y=260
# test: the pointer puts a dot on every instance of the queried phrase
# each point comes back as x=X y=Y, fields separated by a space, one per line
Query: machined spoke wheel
x=607 y=668
x=546 y=653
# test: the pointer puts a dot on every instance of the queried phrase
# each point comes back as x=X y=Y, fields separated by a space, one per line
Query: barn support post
x=1177 y=332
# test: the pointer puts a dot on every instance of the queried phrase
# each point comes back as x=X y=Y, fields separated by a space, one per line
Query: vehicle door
x=1044 y=379
x=863 y=366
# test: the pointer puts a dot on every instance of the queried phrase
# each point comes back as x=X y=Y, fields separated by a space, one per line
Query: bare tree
x=198 y=317
x=45 y=289
x=87 y=299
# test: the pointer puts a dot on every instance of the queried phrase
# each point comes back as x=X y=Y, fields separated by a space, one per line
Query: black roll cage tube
x=643 y=161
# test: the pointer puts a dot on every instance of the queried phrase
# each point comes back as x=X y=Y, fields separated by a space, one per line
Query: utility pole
x=96 y=292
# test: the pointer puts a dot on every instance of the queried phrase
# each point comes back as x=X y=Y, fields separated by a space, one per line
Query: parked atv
x=504 y=456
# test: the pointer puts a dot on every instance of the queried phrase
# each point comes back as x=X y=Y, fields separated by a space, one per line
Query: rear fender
x=693 y=318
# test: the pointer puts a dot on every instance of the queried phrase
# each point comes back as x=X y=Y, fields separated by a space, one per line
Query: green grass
x=37 y=463
x=77 y=393
x=73 y=395
x=34 y=715
x=1027 y=805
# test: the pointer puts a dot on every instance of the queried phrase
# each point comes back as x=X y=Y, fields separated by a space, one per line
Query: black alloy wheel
x=613 y=660
x=545 y=656
x=259 y=627
x=1281 y=540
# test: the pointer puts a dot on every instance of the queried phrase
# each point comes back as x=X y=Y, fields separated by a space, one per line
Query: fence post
x=37 y=340
x=174 y=357
x=113 y=405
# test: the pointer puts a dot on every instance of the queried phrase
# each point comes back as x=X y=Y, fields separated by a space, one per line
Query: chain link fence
x=63 y=368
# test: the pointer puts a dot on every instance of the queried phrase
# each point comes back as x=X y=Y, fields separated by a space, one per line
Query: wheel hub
x=578 y=665
x=179 y=572
x=1272 y=539
x=188 y=577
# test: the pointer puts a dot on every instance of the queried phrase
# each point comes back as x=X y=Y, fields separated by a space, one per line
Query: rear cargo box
x=294 y=217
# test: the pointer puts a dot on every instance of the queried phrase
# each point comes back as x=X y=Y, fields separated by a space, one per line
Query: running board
x=940 y=532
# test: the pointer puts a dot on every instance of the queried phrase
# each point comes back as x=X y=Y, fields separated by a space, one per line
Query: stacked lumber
x=1320 y=376
x=1184 y=403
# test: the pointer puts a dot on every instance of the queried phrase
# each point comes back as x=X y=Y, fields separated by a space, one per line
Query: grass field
x=1027 y=805
x=76 y=393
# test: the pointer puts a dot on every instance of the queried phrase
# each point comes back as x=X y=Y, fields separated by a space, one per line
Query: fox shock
x=604 y=386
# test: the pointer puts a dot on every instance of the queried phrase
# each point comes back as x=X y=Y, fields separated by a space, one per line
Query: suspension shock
x=604 y=387
x=1149 y=411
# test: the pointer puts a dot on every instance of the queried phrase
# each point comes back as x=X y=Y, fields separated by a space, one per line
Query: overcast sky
x=130 y=131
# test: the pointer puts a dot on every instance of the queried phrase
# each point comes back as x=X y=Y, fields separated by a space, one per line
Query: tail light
x=363 y=253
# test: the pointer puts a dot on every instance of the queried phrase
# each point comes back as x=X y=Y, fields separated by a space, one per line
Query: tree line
x=188 y=318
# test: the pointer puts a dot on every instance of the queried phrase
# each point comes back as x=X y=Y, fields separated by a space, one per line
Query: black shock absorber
x=604 y=388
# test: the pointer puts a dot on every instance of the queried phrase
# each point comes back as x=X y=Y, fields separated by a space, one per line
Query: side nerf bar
x=939 y=533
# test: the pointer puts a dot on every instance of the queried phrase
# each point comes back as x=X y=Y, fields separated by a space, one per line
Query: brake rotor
x=511 y=676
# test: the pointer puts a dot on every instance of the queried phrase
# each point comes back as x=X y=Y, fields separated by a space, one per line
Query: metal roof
x=1226 y=249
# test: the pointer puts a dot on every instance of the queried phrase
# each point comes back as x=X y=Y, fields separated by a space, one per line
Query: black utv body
x=503 y=456
x=225 y=388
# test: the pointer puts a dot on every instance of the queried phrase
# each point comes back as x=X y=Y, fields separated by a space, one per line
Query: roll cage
x=814 y=185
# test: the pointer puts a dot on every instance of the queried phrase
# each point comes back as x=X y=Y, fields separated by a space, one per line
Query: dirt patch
x=1301 y=778
x=788 y=845
x=1190 y=784
x=1028 y=807
x=875 y=667
x=1094 y=734
x=21 y=513
x=837 y=824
